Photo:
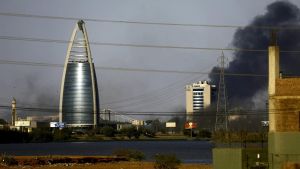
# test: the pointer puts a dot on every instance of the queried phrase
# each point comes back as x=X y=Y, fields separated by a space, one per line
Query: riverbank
x=111 y=165
x=162 y=137
x=186 y=151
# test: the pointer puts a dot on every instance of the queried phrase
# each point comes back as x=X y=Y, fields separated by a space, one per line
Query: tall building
x=79 y=100
x=13 y=112
x=198 y=97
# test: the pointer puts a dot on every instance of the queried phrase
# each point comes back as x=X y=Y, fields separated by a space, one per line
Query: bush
x=8 y=160
x=3 y=122
x=204 y=134
x=148 y=133
x=62 y=134
x=130 y=154
x=12 y=136
x=131 y=132
x=167 y=161
x=91 y=132
x=108 y=131
x=41 y=135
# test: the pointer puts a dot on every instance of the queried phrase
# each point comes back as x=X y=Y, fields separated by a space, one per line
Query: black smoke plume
x=241 y=89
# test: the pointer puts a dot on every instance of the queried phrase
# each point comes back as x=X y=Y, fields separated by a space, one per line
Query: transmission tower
x=221 y=115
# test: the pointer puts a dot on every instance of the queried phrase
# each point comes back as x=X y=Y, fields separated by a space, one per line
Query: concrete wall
x=239 y=158
x=285 y=111
x=227 y=158
x=284 y=149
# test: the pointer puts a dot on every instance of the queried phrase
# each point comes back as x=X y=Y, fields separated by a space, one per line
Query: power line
x=26 y=63
x=153 y=93
x=205 y=113
x=288 y=27
x=134 y=45
x=160 y=90
x=46 y=40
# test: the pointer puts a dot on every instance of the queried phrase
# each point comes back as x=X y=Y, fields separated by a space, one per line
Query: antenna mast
x=221 y=115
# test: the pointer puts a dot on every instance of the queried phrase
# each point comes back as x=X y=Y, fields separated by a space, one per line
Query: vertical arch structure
x=79 y=100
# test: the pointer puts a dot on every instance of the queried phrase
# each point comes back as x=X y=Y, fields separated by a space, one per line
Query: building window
x=197 y=89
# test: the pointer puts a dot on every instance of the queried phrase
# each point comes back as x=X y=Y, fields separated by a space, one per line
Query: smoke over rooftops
x=241 y=90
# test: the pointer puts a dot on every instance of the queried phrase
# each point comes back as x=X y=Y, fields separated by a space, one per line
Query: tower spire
x=13 y=112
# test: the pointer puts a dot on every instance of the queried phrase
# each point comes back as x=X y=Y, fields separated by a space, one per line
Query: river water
x=186 y=151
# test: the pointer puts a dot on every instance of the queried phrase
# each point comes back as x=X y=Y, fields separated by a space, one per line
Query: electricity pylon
x=221 y=114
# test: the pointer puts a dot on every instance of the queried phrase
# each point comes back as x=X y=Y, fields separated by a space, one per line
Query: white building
x=198 y=97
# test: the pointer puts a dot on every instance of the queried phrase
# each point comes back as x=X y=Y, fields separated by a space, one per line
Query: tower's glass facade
x=79 y=100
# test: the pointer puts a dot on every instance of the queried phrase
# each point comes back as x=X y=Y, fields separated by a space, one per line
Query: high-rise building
x=79 y=100
x=198 y=97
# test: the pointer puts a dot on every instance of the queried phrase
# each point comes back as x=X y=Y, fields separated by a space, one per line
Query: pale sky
x=119 y=90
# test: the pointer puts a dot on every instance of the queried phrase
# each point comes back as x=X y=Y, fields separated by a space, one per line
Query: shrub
x=131 y=132
x=8 y=160
x=130 y=154
x=148 y=132
x=62 y=134
x=204 y=133
x=41 y=135
x=166 y=161
x=108 y=131
x=11 y=136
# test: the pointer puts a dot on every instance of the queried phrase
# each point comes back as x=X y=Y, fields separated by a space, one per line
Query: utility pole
x=221 y=114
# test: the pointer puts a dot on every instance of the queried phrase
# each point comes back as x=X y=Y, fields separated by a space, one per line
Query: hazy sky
x=119 y=90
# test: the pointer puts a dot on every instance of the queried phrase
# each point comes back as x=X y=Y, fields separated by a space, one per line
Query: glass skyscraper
x=79 y=100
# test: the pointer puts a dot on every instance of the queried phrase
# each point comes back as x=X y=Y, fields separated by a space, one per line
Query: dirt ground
x=111 y=165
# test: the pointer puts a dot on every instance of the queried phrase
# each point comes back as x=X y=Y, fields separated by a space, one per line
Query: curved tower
x=79 y=101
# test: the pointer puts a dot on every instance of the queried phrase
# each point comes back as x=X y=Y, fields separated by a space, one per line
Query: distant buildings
x=198 y=97
x=25 y=125
x=79 y=100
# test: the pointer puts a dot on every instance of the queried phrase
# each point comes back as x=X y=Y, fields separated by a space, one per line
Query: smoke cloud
x=242 y=89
